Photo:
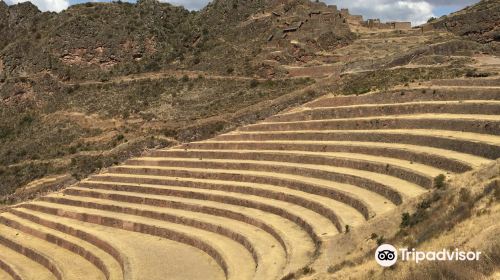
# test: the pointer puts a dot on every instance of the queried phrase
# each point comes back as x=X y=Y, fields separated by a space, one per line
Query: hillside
x=462 y=214
x=305 y=194
x=251 y=140
x=258 y=40
x=87 y=87
x=116 y=78
x=97 y=40
x=90 y=40
x=150 y=60
x=478 y=22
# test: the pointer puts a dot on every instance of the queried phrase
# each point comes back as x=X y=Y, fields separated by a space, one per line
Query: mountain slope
x=479 y=22
x=100 y=82
x=87 y=40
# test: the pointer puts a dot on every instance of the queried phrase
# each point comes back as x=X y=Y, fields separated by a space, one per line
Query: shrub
x=473 y=73
x=254 y=83
x=380 y=240
x=409 y=220
x=120 y=137
x=104 y=79
x=72 y=150
x=496 y=193
x=26 y=120
x=424 y=204
x=152 y=66
x=465 y=195
x=4 y=132
x=168 y=132
x=307 y=270
x=337 y=267
x=439 y=181
x=405 y=220
x=331 y=269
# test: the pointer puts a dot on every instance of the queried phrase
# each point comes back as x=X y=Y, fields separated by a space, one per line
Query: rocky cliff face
x=480 y=22
x=258 y=35
x=102 y=40
x=16 y=20
x=89 y=40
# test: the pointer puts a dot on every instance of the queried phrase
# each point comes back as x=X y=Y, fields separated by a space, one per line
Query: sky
x=416 y=11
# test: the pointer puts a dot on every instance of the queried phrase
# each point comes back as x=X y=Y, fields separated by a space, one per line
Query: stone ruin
x=351 y=19
x=320 y=18
x=374 y=23
x=377 y=24
x=315 y=21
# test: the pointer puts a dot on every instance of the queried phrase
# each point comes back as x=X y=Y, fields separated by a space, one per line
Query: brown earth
x=209 y=171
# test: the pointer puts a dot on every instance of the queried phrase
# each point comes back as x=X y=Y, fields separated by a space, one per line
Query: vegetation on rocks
x=86 y=88
x=478 y=22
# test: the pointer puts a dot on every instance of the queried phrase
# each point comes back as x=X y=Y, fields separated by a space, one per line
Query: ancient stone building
x=401 y=25
x=378 y=24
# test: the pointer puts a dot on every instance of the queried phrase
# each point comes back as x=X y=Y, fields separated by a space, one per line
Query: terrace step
x=298 y=246
x=480 y=145
x=143 y=256
x=259 y=203
x=419 y=174
x=62 y=263
x=410 y=95
x=315 y=224
x=115 y=262
x=479 y=107
x=390 y=187
x=475 y=82
x=484 y=124
x=438 y=158
x=6 y=275
x=22 y=266
x=264 y=248
x=342 y=193
x=101 y=260
x=235 y=260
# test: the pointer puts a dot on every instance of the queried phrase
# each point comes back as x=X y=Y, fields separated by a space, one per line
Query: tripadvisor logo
x=386 y=255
